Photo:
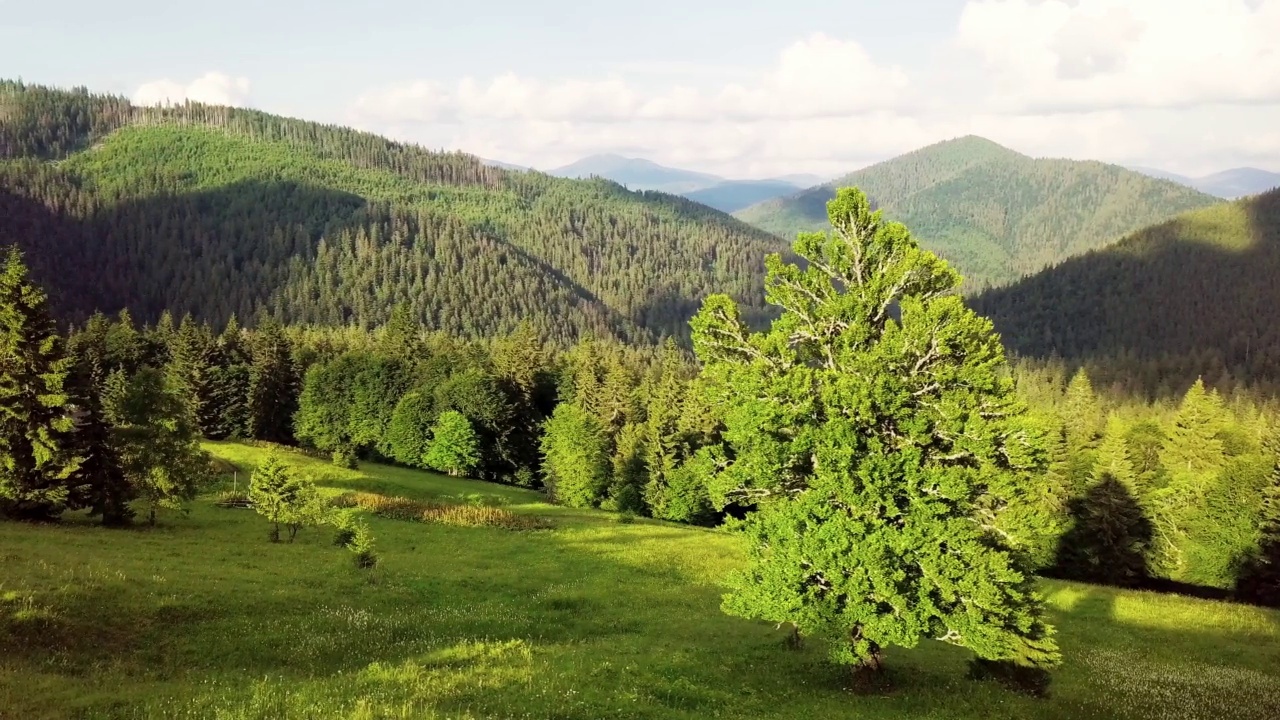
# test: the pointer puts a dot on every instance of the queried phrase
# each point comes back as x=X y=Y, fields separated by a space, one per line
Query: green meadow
x=596 y=617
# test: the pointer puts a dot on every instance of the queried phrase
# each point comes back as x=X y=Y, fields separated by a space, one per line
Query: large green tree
x=575 y=455
x=454 y=447
x=37 y=462
x=155 y=438
x=875 y=427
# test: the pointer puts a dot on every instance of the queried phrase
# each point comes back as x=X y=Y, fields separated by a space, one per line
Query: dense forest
x=218 y=211
x=1192 y=297
x=995 y=214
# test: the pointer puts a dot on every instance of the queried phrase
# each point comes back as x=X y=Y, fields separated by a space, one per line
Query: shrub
x=345 y=457
x=362 y=546
x=344 y=524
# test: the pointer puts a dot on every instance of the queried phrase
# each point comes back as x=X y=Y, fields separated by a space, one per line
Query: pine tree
x=1259 y=580
x=454 y=448
x=156 y=441
x=104 y=489
x=870 y=424
x=37 y=463
x=229 y=381
x=1082 y=423
x=1193 y=456
x=190 y=372
x=273 y=384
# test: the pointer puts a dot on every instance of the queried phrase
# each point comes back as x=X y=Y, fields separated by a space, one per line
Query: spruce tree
x=273 y=384
x=37 y=462
x=155 y=438
x=874 y=425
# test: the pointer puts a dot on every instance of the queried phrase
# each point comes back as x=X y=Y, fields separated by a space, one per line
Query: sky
x=742 y=89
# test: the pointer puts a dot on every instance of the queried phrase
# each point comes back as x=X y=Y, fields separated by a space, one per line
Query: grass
x=201 y=617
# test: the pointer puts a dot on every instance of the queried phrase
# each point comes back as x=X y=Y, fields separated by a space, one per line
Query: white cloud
x=818 y=76
x=214 y=88
x=1100 y=54
x=1190 y=85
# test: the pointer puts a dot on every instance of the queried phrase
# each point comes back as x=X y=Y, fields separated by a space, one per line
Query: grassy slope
x=997 y=214
x=203 y=618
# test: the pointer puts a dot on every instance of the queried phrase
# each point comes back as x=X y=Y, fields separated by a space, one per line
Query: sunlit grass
x=203 y=618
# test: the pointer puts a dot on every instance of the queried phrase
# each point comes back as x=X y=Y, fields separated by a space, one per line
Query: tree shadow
x=1108 y=539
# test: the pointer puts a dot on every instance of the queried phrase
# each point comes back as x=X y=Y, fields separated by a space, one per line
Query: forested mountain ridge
x=1194 y=296
x=215 y=211
x=994 y=213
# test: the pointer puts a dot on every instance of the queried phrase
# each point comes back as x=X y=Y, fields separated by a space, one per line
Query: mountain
x=996 y=214
x=215 y=210
x=732 y=195
x=711 y=190
x=1230 y=184
x=1194 y=296
x=803 y=180
x=505 y=165
x=638 y=174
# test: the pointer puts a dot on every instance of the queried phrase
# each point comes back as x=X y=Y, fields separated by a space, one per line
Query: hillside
x=215 y=211
x=593 y=618
x=996 y=214
x=1193 y=296
x=1230 y=184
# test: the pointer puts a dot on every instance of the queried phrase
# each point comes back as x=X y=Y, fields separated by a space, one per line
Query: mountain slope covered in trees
x=994 y=213
x=1193 y=296
x=215 y=211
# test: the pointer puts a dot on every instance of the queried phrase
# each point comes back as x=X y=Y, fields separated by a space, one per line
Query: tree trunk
x=275 y=533
x=152 y=517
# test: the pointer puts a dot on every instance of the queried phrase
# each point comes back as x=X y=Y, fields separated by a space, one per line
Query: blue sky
x=741 y=88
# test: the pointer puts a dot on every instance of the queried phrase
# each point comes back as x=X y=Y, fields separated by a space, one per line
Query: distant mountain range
x=994 y=213
x=720 y=193
x=1229 y=184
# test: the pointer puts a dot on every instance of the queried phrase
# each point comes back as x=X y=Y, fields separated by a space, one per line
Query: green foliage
x=37 y=463
x=154 y=435
x=284 y=497
x=273 y=385
x=361 y=546
x=880 y=451
x=629 y=473
x=575 y=457
x=454 y=447
x=996 y=215
x=409 y=433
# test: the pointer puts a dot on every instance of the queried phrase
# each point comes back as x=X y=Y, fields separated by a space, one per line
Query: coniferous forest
x=218 y=318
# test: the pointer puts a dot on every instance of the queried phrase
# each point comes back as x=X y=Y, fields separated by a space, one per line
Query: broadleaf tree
x=874 y=428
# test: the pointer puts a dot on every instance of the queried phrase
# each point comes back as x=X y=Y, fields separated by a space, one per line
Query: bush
x=344 y=524
x=345 y=457
x=362 y=546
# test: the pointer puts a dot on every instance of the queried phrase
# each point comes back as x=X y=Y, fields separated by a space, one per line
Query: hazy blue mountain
x=1229 y=184
x=711 y=190
x=638 y=174
x=733 y=195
